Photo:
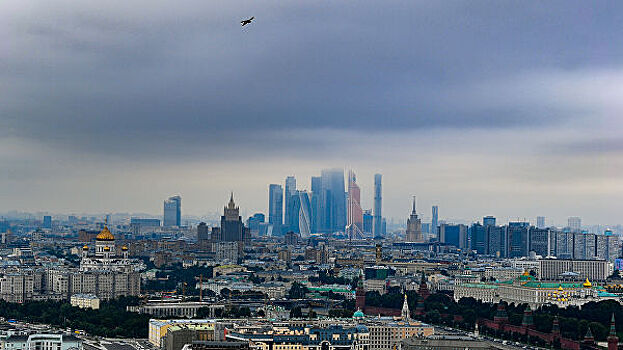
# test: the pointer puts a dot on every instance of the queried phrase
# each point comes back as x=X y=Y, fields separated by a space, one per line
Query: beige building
x=389 y=335
x=85 y=301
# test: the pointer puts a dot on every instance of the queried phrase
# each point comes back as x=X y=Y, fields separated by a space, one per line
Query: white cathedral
x=106 y=257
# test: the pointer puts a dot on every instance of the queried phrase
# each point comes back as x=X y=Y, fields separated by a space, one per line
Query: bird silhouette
x=247 y=21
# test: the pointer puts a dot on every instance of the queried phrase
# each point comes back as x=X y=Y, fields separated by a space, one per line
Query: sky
x=502 y=108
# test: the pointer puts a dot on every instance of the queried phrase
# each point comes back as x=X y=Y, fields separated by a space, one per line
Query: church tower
x=405 y=314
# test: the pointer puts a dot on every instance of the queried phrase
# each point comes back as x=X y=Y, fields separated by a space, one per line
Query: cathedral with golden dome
x=106 y=257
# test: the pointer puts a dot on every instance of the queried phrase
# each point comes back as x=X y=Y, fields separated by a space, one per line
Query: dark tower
x=613 y=340
x=528 y=320
x=360 y=295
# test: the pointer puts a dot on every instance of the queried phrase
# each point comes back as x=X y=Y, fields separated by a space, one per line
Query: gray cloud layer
x=152 y=84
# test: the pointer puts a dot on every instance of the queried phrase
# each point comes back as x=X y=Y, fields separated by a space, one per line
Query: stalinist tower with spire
x=414 y=227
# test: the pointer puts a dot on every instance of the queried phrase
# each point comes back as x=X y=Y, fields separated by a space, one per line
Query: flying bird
x=247 y=21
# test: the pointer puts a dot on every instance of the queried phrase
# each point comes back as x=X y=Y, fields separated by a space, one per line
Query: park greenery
x=176 y=276
x=111 y=320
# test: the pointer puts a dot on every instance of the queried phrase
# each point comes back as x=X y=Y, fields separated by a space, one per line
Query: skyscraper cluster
x=328 y=208
x=519 y=239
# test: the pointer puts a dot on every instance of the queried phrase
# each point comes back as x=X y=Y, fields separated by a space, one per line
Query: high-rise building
x=316 y=197
x=575 y=224
x=540 y=222
x=488 y=221
x=517 y=233
x=332 y=216
x=232 y=229
x=414 y=226
x=47 y=221
x=479 y=241
x=254 y=222
x=173 y=211
x=540 y=241
x=434 y=224
x=455 y=235
x=354 y=222
x=367 y=221
x=290 y=193
x=301 y=214
x=275 y=207
x=497 y=241
x=378 y=203
x=203 y=234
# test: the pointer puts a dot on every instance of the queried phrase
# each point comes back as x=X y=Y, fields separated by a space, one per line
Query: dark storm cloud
x=162 y=78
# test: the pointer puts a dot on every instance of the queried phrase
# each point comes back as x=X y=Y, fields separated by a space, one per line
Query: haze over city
x=483 y=108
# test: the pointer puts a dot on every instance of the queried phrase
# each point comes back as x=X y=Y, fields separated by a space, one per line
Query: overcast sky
x=512 y=109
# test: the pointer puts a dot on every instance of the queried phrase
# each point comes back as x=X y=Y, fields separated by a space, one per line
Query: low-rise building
x=85 y=301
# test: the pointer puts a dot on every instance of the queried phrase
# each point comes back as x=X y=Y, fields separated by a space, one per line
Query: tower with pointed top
x=232 y=228
x=588 y=338
x=405 y=314
x=613 y=340
x=414 y=226
x=360 y=295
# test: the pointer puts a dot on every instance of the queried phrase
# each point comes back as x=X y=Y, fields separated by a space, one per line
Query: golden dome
x=124 y=248
x=86 y=247
x=105 y=235
x=106 y=249
x=587 y=284
x=560 y=287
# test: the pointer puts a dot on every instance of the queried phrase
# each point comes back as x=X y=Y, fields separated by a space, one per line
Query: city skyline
x=448 y=101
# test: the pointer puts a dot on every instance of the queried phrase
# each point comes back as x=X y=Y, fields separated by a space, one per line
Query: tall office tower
x=575 y=224
x=173 y=211
x=455 y=235
x=354 y=222
x=47 y=221
x=275 y=207
x=540 y=241
x=584 y=246
x=290 y=192
x=414 y=226
x=301 y=217
x=378 y=202
x=367 y=221
x=333 y=201
x=497 y=241
x=478 y=234
x=518 y=239
x=434 y=224
x=488 y=221
x=316 y=187
x=540 y=222
x=562 y=246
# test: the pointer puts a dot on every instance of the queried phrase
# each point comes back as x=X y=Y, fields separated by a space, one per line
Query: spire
x=413 y=205
x=588 y=338
x=613 y=340
x=406 y=315
x=231 y=204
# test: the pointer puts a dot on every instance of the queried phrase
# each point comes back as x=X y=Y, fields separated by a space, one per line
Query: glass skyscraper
x=173 y=211
x=378 y=203
x=275 y=206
